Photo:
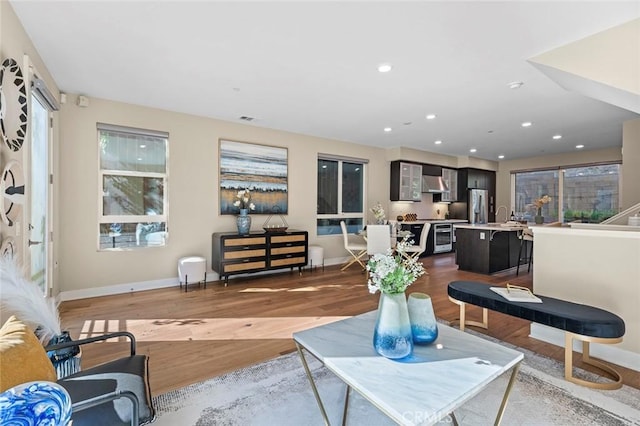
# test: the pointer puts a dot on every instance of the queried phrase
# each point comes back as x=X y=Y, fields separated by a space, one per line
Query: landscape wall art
x=260 y=168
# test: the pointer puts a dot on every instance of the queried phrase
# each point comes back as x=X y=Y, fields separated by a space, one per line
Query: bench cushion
x=573 y=317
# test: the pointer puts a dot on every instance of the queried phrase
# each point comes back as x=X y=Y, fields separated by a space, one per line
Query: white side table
x=316 y=256
x=194 y=268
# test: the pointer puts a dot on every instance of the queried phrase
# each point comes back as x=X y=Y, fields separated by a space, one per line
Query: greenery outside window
x=588 y=193
x=340 y=195
x=133 y=187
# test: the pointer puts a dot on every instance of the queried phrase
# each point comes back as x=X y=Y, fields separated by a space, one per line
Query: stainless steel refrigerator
x=478 y=205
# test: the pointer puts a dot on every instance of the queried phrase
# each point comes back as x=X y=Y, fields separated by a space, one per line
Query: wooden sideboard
x=232 y=253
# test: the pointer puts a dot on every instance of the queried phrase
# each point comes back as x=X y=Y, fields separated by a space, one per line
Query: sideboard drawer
x=278 y=239
x=244 y=266
x=288 y=261
x=242 y=254
x=287 y=250
x=244 y=241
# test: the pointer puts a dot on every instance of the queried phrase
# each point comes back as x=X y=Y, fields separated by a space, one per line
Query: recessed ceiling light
x=526 y=124
x=472 y=150
x=384 y=67
x=387 y=129
x=501 y=156
x=143 y=146
x=579 y=146
x=438 y=142
x=139 y=159
x=556 y=137
x=431 y=116
x=515 y=84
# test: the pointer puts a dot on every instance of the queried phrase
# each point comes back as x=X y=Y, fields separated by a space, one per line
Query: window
x=533 y=185
x=340 y=195
x=133 y=187
x=591 y=194
x=579 y=193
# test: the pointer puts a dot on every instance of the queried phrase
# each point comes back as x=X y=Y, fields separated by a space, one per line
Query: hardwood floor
x=203 y=333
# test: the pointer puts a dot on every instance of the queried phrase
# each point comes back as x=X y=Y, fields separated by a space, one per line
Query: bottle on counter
x=512 y=217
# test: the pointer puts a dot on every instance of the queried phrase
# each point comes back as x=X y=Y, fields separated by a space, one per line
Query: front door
x=39 y=194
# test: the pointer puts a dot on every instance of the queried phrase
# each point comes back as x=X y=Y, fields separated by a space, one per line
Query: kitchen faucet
x=506 y=212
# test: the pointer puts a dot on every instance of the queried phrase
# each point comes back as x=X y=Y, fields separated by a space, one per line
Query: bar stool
x=194 y=267
x=526 y=241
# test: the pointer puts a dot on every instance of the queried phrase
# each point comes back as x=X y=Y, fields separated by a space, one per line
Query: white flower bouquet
x=244 y=200
x=393 y=274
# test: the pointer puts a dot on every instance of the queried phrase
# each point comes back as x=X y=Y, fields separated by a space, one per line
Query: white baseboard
x=155 y=284
x=609 y=353
x=125 y=288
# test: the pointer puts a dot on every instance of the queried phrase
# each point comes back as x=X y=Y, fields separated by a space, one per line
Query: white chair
x=378 y=239
x=356 y=248
x=414 y=251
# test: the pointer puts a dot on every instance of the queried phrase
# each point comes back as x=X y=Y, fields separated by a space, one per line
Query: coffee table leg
x=346 y=406
x=505 y=398
x=313 y=386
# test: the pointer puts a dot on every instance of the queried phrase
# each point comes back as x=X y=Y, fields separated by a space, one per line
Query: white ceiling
x=310 y=67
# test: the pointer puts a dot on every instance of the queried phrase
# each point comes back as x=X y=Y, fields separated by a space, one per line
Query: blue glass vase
x=392 y=334
x=424 y=327
x=243 y=222
x=35 y=403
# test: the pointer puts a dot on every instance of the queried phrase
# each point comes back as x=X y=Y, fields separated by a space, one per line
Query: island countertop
x=423 y=221
x=490 y=226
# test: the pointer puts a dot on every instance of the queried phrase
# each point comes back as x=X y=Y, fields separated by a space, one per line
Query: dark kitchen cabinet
x=431 y=170
x=416 y=230
x=470 y=178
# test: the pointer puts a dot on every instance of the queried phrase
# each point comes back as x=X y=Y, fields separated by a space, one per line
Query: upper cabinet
x=450 y=178
x=406 y=181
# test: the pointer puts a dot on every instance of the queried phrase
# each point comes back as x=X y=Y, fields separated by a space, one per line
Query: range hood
x=433 y=184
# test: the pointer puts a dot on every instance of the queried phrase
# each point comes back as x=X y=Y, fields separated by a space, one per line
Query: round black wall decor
x=13 y=105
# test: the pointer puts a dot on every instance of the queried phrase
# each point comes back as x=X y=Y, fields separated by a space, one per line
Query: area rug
x=277 y=392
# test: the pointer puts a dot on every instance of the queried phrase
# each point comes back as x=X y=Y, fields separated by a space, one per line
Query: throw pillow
x=22 y=356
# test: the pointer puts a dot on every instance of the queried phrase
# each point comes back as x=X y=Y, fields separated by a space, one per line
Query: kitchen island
x=487 y=248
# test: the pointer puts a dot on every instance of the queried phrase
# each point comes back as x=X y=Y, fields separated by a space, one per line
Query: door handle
x=34 y=243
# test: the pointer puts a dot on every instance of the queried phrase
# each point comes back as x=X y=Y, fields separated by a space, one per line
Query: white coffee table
x=424 y=389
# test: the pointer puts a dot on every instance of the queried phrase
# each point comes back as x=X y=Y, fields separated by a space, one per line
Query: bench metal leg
x=463 y=316
x=587 y=359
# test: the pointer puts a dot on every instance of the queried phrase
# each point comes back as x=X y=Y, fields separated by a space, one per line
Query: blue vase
x=66 y=361
x=35 y=403
x=392 y=334
x=424 y=327
x=243 y=222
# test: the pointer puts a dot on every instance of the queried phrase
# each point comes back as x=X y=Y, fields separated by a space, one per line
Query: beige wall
x=503 y=176
x=193 y=190
x=15 y=43
x=631 y=163
x=594 y=267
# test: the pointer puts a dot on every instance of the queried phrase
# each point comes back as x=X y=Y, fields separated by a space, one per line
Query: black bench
x=581 y=322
